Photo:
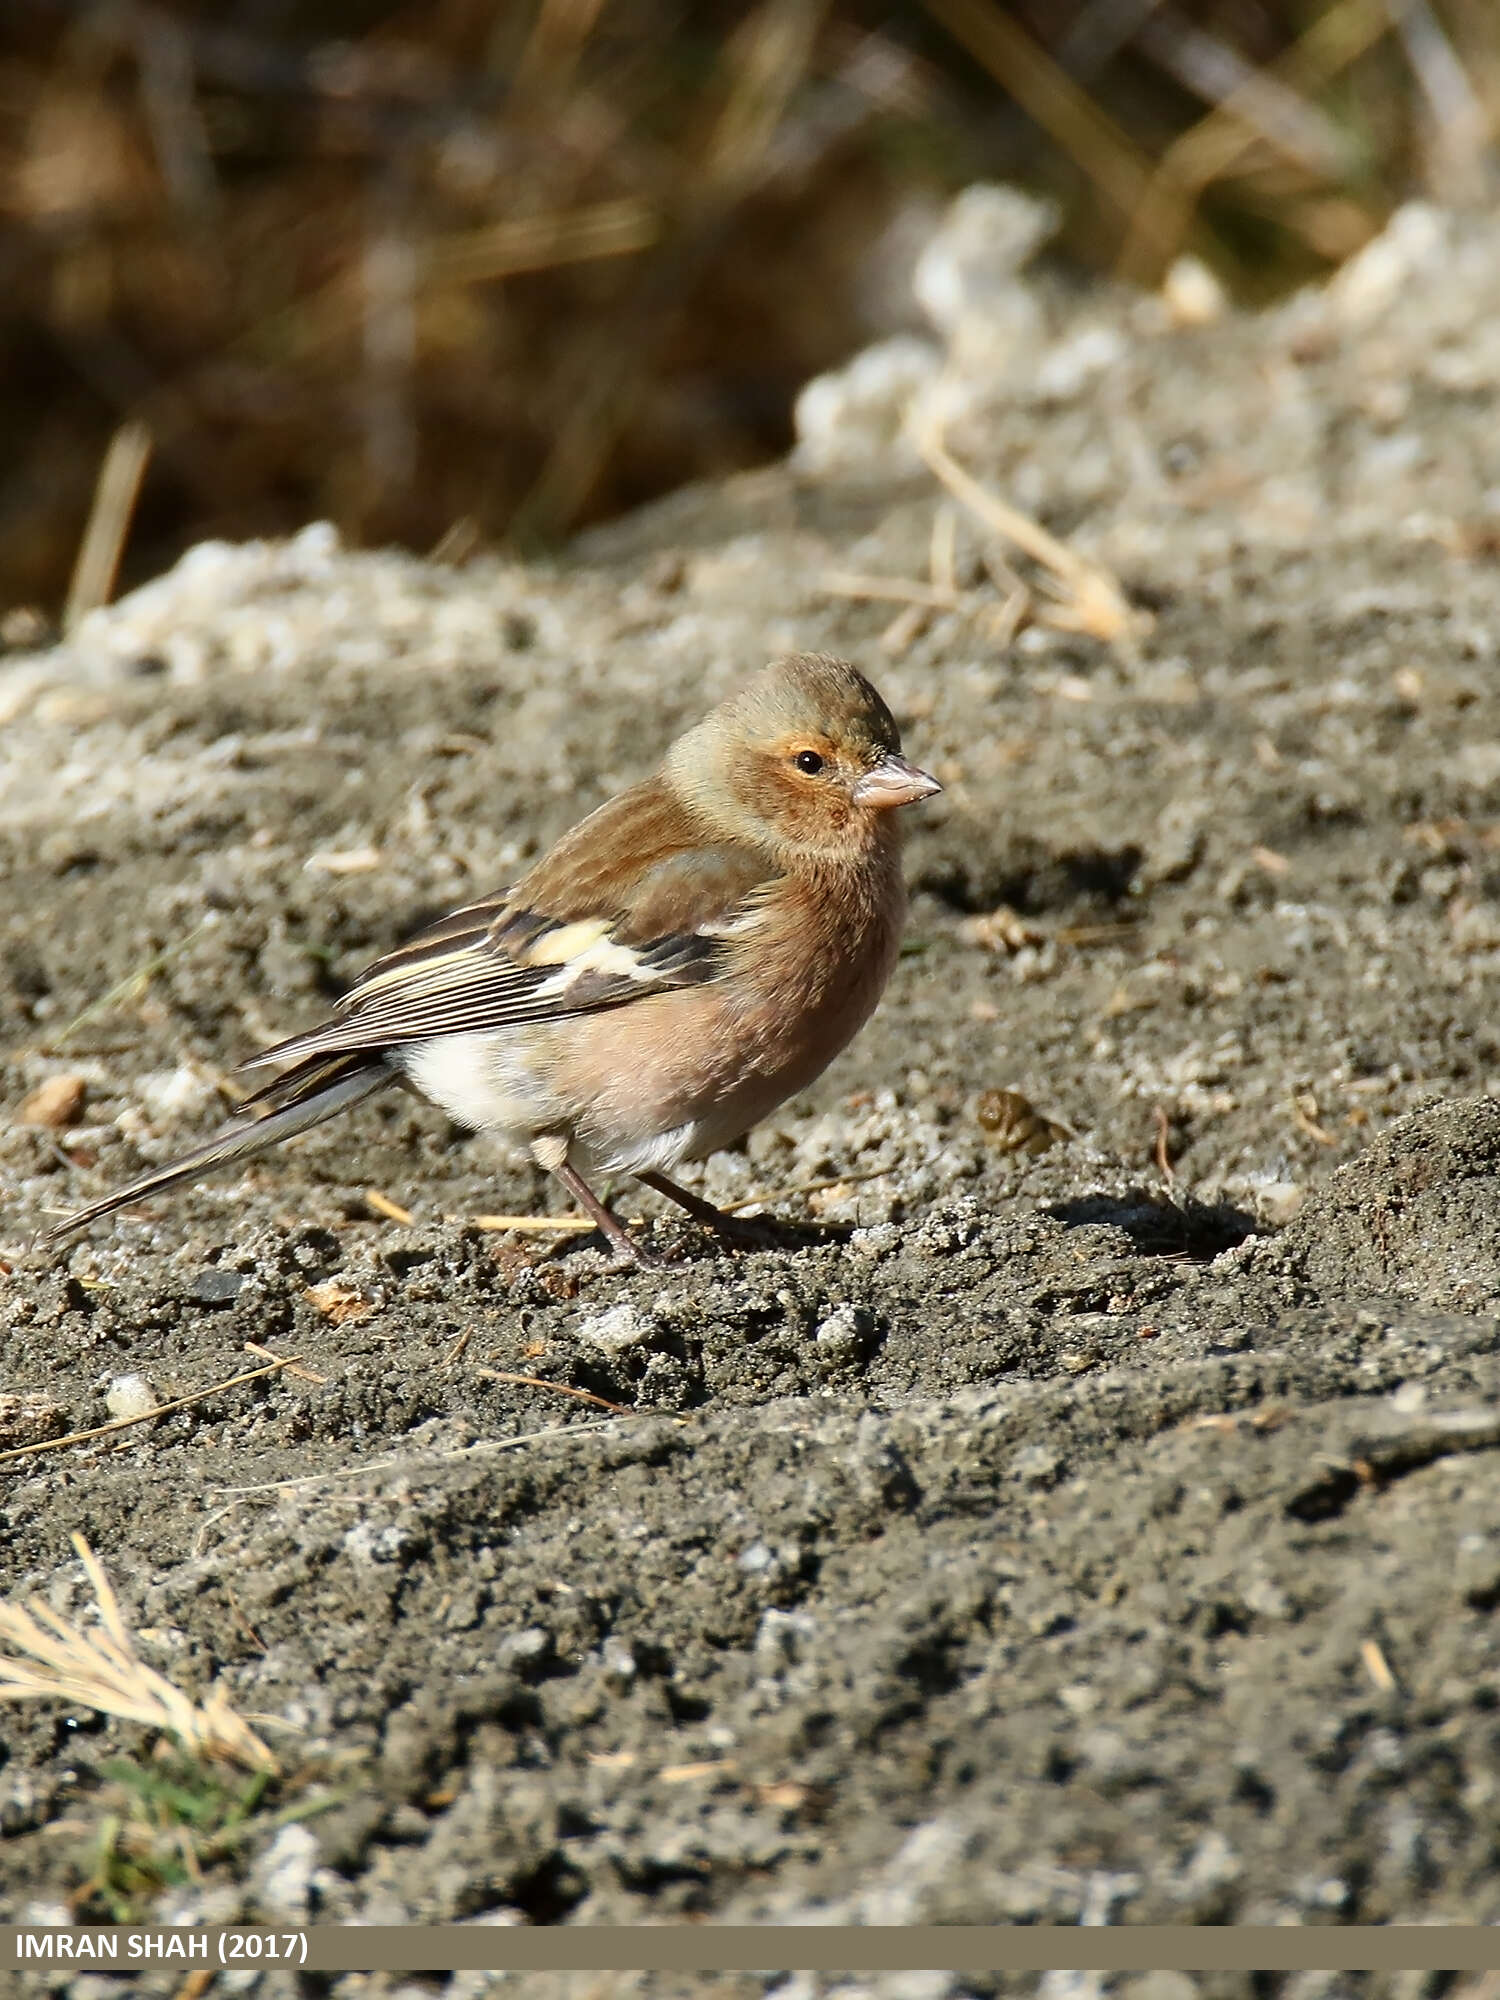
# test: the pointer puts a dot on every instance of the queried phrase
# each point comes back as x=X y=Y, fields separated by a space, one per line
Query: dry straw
x=50 y=1659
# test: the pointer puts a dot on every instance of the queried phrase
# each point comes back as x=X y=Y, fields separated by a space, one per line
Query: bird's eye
x=808 y=761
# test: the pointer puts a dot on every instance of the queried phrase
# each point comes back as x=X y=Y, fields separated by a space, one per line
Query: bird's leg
x=611 y=1227
x=760 y=1232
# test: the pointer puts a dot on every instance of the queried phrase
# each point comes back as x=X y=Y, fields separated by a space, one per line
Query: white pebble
x=129 y=1396
x=1192 y=294
x=170 y=1094
x=617 y=1330
x=283 y=1875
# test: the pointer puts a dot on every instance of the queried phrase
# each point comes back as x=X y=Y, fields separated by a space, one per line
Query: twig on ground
x=296 y=1369
x=146 y=1416
x=532 y=1225
x=1090 y=600
x=115 y=494
x=475 y=1450
x=557 y=1388
x=384 y=1206
x=889 y=590
x=1163 y=1132
x=1377 y=1666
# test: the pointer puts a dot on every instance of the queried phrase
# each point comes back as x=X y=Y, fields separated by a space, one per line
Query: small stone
x=283 y=1875
x=170 y=1095
x=129 y=1396
x=216 y=1287
x=1279 y=1200
x=1213 y=1864
x=58 y=1102
x=1192 y=294
x=617 y=1330
x=367 y=1543
x=23 y=628
x=619 y=1662
x=880 y=1239
x=1079 y=1698
x=527 y=1648
x=841 y=1336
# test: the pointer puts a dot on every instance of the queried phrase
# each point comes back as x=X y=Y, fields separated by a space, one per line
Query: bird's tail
x=303 y=1097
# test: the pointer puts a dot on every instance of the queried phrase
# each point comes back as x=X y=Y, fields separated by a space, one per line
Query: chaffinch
x=679 y=964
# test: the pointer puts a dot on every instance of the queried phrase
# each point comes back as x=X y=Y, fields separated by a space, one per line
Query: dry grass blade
x=1160 y=1151
x=146 y=1416
x=1050 y=96
x=904 y=630
x=130 y=987
x=942 y=549
x=533 y=1225
x=1377 y=1666
x=1210 y=148
x=541 y=242
x=406 y=1462
x=1092 y=600
x=382 y=1205
x=295 y=1369
x=767 y=58
x=1214 y=70
x=115 y=495
x=1460 y=125
x=554 y=46
x=556 y=1388
x=889 y=590
x=53 y=1660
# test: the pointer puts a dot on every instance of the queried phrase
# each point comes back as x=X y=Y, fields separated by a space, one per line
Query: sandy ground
x=1105 y=1533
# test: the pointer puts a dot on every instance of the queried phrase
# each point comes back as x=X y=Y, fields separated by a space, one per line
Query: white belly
x=487 y=1082
x=480 y=1080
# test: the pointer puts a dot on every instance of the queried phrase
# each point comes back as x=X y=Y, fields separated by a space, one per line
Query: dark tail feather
x=304 y=1097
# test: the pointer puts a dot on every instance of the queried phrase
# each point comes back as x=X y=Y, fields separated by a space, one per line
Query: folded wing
x=501 y=963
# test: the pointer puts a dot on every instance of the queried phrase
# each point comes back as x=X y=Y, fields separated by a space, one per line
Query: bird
x=685 y=959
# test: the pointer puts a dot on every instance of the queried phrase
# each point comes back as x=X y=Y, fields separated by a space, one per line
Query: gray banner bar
x=736 y=1948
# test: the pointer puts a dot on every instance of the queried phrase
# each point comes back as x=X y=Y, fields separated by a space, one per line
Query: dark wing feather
x=605 y=937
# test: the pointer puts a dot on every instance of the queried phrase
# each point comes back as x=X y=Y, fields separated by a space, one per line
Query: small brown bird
x=683 y=961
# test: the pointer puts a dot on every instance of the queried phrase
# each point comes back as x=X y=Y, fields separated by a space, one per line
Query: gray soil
x=1106 y=1533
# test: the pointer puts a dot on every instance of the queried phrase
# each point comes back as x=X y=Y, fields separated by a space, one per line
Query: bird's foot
x=739 y=1232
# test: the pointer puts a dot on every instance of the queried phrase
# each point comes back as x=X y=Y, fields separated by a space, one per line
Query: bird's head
x=806 y=760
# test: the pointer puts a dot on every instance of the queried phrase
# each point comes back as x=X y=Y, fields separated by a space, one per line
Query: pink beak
x=894 y=782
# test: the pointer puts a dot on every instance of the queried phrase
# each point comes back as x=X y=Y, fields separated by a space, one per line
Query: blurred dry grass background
x=468 y=270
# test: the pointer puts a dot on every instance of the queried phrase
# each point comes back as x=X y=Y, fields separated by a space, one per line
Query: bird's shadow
x=686 y=1242
x=1185 y=1227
